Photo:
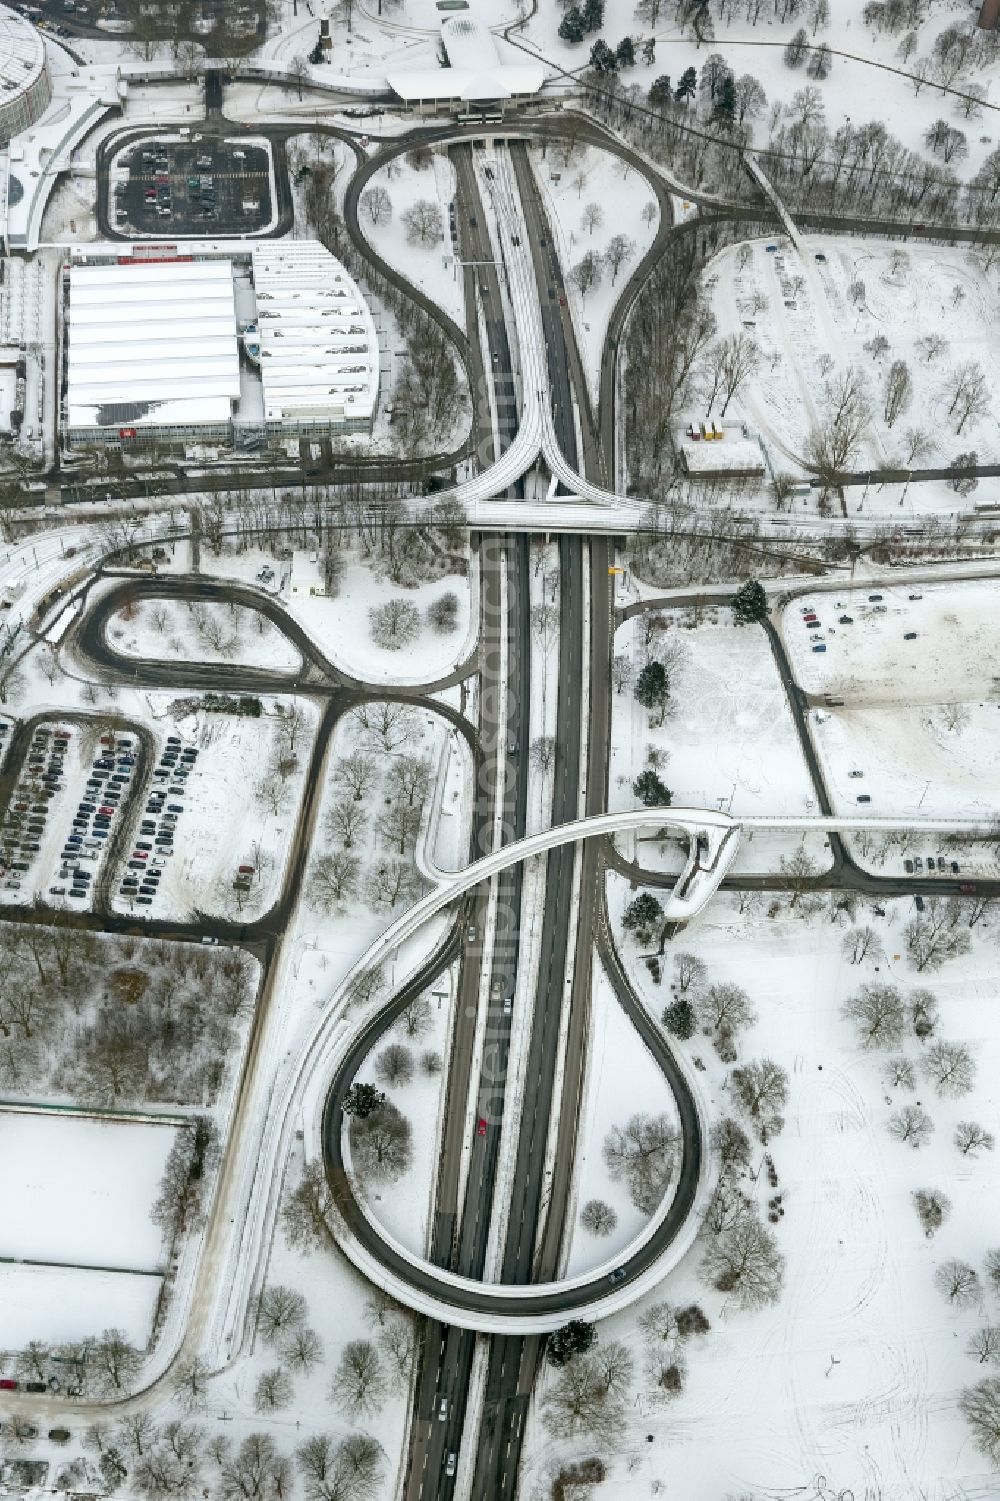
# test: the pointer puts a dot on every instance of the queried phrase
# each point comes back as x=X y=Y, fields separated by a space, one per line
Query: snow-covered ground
x=57 y=1304
x=77 y=1194
x=202 y=631
x=429 y=264
x=855 y=91
x=341 y=628
x=594 y=177
x=854 y=1374
x=78 y=1191
x=920 y=717
x=811 y=330
x=729 y=740
x=617 y=1052
x=403 y=1207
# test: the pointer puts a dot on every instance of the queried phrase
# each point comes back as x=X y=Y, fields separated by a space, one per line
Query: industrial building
x=229 y=343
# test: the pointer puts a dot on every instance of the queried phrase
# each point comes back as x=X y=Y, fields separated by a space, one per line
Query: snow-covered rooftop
x=319 y=348
x=475 y=69
x=22 y=53
x=152 y=343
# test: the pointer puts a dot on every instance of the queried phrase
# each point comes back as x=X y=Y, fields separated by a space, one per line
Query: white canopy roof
x=475 y=70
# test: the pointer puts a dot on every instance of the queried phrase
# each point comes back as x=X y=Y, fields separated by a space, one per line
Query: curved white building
x=25 y=86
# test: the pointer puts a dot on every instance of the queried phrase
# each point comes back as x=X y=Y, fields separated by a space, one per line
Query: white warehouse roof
x=475 y=70
x=152 y=343
x=318 y=344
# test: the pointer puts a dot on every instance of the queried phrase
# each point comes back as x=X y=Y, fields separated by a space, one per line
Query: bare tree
x=761 y=1089
x=191 y=1384
x=398 y=1345
x=937 y=935
x=346 y=821
x=598 y=1217
x=899 y=1074
x=898 y=392
x=911 y=1125
x=950 y=1068
x=725 y=1009
x=410 y=777
x=381 y=1143
x=984 y=1345
x=416 y=1017
x=377 y=204
x=303 y=1349
x=279 y=1311
x=860 y=944
x=586 y=274
x=578 y=1404
x=845 y=418
x=619 y=250
x=358 y=1385
x=334 y=878
x=689 y=972
x=644 y=1154
x=304 y=1213
x=933 y=1208
x=423 y=223
x=356 y=772
x=745 y=1261
x=273 y=1390
x=958 y=1282
x=971 y=1138
x=256 y=1472
x=923 y=1014
x=877 y=1011
x=394 y=1066
x=592 y=218
x=970 y=393
x=394 y=624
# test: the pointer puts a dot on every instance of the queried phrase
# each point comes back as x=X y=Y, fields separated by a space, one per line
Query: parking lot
x=202 y=187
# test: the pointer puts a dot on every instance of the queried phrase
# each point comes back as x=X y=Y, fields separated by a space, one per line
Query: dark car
x=845 y=620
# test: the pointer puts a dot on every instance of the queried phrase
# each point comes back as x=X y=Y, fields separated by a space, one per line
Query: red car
x=106 y=811
x=7 y=1385
x=481 y=1126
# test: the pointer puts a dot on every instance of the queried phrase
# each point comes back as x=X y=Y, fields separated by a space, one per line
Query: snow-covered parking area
x=238 y=807
x=920 y=717
x=76 y=1196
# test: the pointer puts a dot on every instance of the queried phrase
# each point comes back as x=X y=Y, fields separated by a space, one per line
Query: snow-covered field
x=595 y=177
x=617 y=1052
x=854 y=1374
x=76 y=1195
x=428 y=264
x=811 y=330
x=57 y=1304
x=340 y=627
x=202 y=632
x=920 y=717
x=78 y=1191
x=730 y=739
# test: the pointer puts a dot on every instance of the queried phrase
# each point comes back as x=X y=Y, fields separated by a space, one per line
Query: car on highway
x=481 y=1126
x=618 y=1275
x=451 y=1464
x=966 y=887
x=442 y=1409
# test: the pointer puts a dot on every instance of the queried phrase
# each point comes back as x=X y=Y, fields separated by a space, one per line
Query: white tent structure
x=476 y=75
